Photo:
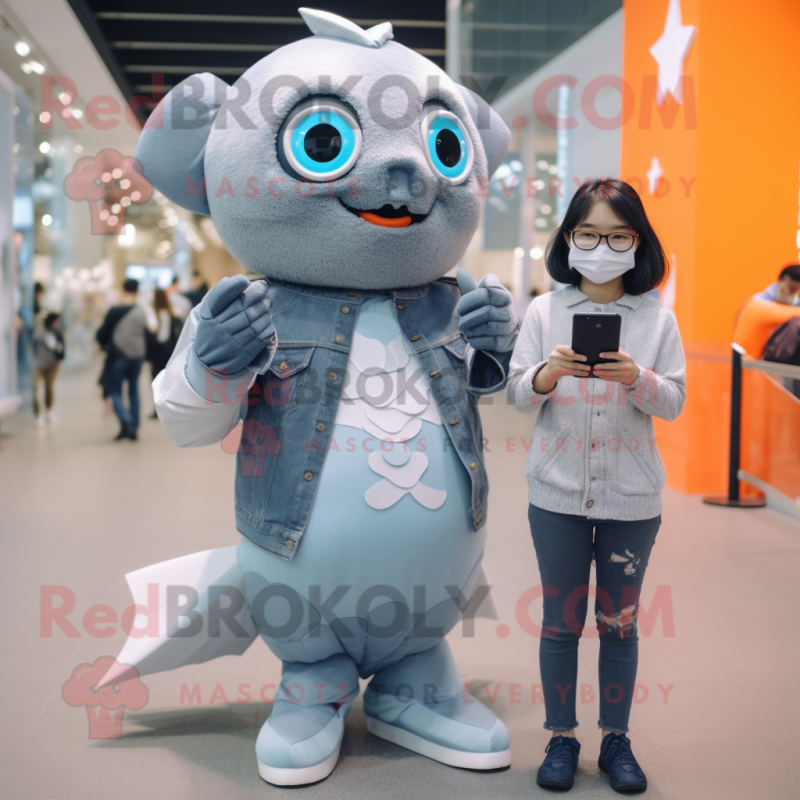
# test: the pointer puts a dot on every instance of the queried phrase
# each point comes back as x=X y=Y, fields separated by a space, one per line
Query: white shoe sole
x=446 y=755
x=286 y=776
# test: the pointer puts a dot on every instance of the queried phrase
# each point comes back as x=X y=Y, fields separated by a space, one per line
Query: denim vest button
x=415 y=337
x=473 y=465
x=320 y=426
x=435 y=373
x=290 y=544
x=283 y=365
x=400 y=306
x=345 y=309
x=478 y=522
x=352 y=297
x=308 y=476
x=339 y=337
x=589 y=503
x=454 y=422
x=332 y=376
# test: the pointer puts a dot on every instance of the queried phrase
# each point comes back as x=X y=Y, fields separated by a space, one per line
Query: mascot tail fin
x=187 y=610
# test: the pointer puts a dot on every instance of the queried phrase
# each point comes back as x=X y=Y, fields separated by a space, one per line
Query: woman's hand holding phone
x=563 y=361
x=622 y=369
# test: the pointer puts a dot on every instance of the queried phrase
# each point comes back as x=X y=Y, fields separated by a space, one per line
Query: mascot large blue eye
x=447 y=145
x=320 y=140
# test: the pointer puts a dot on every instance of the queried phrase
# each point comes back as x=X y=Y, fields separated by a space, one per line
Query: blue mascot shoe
x=300 y=744
x=558 y=768
x=460 y=731
x=617 y=759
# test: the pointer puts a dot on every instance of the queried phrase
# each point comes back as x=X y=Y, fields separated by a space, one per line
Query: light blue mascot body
x=347 y=170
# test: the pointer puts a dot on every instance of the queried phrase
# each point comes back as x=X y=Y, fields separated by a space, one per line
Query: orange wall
x=732 y=221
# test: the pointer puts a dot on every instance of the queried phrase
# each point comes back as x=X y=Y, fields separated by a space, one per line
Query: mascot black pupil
x=448 y=148
x=323 y=143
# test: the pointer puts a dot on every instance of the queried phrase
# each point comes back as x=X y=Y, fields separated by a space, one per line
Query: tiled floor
x=79 y=511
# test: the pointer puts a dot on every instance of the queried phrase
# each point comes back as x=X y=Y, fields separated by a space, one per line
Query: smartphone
x=593 y=334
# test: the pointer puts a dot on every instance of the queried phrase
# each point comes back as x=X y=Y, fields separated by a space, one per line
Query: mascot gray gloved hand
x=344 y=172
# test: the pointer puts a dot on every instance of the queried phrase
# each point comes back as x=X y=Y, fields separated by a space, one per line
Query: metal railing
x=738 y=363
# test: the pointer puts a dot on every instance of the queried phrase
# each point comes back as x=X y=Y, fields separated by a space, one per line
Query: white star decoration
x=670 y=52
x=654 y=175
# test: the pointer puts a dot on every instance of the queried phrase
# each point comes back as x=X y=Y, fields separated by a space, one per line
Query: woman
x=594 y=473
x=48 y=354
x=163 y=331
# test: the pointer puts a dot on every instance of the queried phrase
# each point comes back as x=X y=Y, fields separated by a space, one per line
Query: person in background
x=48 y=354
x=763 y=313
x=122 y=335
x=180 y=304
x=163 y=331
x=199 y=289
x=38 y=296
x=785 y=290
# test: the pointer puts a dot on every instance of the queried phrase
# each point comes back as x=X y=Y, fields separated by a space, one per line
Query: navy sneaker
x=558 y=768
x=617 y=759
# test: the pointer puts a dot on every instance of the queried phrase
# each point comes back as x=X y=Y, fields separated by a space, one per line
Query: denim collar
x=353 y=295
x=573 y=296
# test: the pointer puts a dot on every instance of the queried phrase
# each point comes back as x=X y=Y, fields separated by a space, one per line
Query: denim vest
x=290 y=410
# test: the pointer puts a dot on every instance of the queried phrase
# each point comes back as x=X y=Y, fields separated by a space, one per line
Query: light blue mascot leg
x=300 y=741
x=421 y=704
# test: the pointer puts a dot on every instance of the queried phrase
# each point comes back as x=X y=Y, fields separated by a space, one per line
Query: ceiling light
x=45 y=117
x=76 y=112
x=36 y=67
x=44 y=147
x=518 y=252
x=46 y=220
x=536 y=253
x=22 y=48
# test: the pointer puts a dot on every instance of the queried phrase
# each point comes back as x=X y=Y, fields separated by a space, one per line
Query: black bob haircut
x=790 y=271
x=650 y=260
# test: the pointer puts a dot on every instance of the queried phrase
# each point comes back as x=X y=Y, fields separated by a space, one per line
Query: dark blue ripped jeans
x=565 y=546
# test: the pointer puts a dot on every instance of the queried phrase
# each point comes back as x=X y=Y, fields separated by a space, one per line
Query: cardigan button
x=589 y=503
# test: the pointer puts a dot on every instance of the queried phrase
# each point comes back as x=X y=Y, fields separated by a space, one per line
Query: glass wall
x=506 y=40
x=533 y=61
x=9 y=317
x=23 y=222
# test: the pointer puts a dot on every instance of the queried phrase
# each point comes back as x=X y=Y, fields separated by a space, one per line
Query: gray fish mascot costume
x=345 y=171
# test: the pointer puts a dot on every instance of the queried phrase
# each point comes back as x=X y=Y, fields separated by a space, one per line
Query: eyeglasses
x=588 y=240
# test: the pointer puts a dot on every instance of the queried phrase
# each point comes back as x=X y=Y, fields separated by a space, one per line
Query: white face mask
x=601 y=264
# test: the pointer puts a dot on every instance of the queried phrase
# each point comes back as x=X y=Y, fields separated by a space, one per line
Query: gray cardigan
x=593 y=451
